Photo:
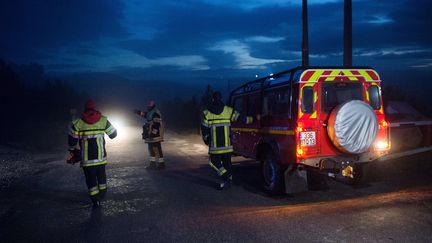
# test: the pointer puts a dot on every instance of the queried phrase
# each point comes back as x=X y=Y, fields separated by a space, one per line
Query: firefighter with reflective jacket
x=89 y=132
x=153 y=131
x=215 y=130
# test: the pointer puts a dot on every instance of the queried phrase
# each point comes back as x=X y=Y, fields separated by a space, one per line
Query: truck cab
x=328 y=119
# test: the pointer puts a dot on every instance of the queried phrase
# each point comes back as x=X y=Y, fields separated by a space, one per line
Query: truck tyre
x=353 y=127
x=272 y=174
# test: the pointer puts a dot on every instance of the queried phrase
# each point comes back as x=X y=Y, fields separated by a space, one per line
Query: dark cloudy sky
x=215 y=38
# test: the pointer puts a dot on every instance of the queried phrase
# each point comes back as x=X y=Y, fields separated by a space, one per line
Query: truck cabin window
x=238 y=104
x=307 y=104
x=374 y=97
x=277 y=102
x=253 y=105
x=336 y=93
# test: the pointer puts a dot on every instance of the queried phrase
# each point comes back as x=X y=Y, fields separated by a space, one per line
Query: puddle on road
x=126 y=183
x=113 y=207
x=129 y=179
x=195 y=149
x=189 y=148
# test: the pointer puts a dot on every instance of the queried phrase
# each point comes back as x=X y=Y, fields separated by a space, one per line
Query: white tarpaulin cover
x=353 y=127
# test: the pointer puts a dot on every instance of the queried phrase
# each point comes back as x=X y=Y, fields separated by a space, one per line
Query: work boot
x=225 y=185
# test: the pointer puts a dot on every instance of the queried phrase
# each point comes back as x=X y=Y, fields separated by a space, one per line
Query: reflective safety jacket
x=153 y=129
x=216 y=130
x=91 y=140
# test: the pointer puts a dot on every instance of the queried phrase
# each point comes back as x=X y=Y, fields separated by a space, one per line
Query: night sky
x=216 y=39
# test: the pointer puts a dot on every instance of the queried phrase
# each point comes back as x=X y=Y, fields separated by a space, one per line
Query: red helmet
x=90 y=105
x=151 y=103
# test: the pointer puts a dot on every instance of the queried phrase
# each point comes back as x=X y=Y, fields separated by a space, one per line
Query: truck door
x=236 y=135
x=248 y=127
x=334 y=93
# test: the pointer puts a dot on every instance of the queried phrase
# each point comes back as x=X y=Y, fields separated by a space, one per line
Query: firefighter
x=89 y=132
x=215 y=130
x=153 y=131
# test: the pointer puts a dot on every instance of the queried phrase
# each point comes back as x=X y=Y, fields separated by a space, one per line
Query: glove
x=136 y=111
x=74 y=156
x=206 y=139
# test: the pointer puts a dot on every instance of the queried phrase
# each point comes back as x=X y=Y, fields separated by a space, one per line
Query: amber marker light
x=300 y=151
x=383 y=124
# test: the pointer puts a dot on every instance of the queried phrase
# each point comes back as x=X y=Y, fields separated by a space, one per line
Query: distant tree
x=60 y=97
x=181 y=116
x=11 y=85
x=31 y=114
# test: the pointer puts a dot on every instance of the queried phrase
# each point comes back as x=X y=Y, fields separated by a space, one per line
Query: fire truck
x=313 y=120
x=325 y=119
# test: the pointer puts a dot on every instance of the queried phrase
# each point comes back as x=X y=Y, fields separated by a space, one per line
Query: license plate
x=307 y=138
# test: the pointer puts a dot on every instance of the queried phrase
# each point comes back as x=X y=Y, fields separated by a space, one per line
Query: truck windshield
x=336 y=93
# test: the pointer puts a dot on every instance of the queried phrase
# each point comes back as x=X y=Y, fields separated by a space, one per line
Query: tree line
x=27 y=110
x=40 y=114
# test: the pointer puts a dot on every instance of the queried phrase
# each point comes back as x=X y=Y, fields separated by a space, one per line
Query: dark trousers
x=222 y=164
x=155 y=152
x=96 y=181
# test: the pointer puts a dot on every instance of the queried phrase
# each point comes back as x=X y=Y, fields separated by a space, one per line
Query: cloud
x=252 y=4
x=401 y=51
x=400 y=23
x=271 y=30
x=241 y=53
x=27 y=26
x=210 y=34
x=193 y=62
x=423 y=64
x=130 y=59
x=264 y=39
x=426 y=65
x=124 y=59
x=188 y=29
x=379 y=20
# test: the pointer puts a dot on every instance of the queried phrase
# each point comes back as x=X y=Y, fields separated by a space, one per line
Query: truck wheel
x=272 y=174
x=353 y=127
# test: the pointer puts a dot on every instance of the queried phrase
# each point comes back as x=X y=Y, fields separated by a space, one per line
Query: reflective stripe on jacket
x=91 y=140
x=219 y=126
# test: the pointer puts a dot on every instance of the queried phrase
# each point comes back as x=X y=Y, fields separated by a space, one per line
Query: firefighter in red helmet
x=88 y=132
x=153 y=132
